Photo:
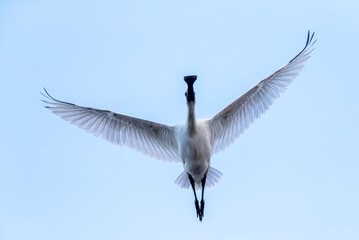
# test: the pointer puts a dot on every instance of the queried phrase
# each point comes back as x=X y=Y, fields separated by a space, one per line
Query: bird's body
x=194 y=142
x=195 y=149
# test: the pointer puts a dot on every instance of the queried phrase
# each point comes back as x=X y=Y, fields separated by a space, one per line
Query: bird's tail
x=213 y=176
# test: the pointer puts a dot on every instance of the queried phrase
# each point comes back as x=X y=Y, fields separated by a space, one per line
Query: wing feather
x=229 y=123
x=153 y=139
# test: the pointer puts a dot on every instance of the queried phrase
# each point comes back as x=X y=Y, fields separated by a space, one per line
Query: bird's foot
x=201 y=214
x=197 y=208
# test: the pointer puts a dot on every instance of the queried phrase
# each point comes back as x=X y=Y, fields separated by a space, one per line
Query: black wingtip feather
x=48 y=96
x=308 y=44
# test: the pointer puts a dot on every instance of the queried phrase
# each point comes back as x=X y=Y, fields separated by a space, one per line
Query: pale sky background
x=292 y=175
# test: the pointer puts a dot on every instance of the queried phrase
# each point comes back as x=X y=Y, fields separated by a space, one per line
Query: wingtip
x=309 y=44
x=310 y=37
x=46 y=94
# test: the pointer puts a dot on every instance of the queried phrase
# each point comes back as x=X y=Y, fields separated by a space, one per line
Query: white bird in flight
x=195 y=141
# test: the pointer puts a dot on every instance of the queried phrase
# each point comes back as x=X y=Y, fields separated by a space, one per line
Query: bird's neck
x=191 y=120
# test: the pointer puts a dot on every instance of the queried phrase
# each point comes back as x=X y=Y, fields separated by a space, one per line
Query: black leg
x=201 y=214
x=191 y=180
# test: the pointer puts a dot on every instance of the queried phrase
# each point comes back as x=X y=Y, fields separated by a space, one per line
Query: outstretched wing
x=229 y=123
x=153 y=139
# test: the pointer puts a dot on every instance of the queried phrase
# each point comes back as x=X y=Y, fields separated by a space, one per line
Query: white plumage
x=193 y=142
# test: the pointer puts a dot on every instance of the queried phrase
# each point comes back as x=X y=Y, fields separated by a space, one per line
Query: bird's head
x=190 y=92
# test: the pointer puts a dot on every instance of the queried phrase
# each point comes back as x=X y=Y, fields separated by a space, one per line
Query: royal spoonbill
x=193 y=142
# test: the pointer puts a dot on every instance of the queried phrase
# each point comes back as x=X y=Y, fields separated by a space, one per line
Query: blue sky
x=292 y=175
